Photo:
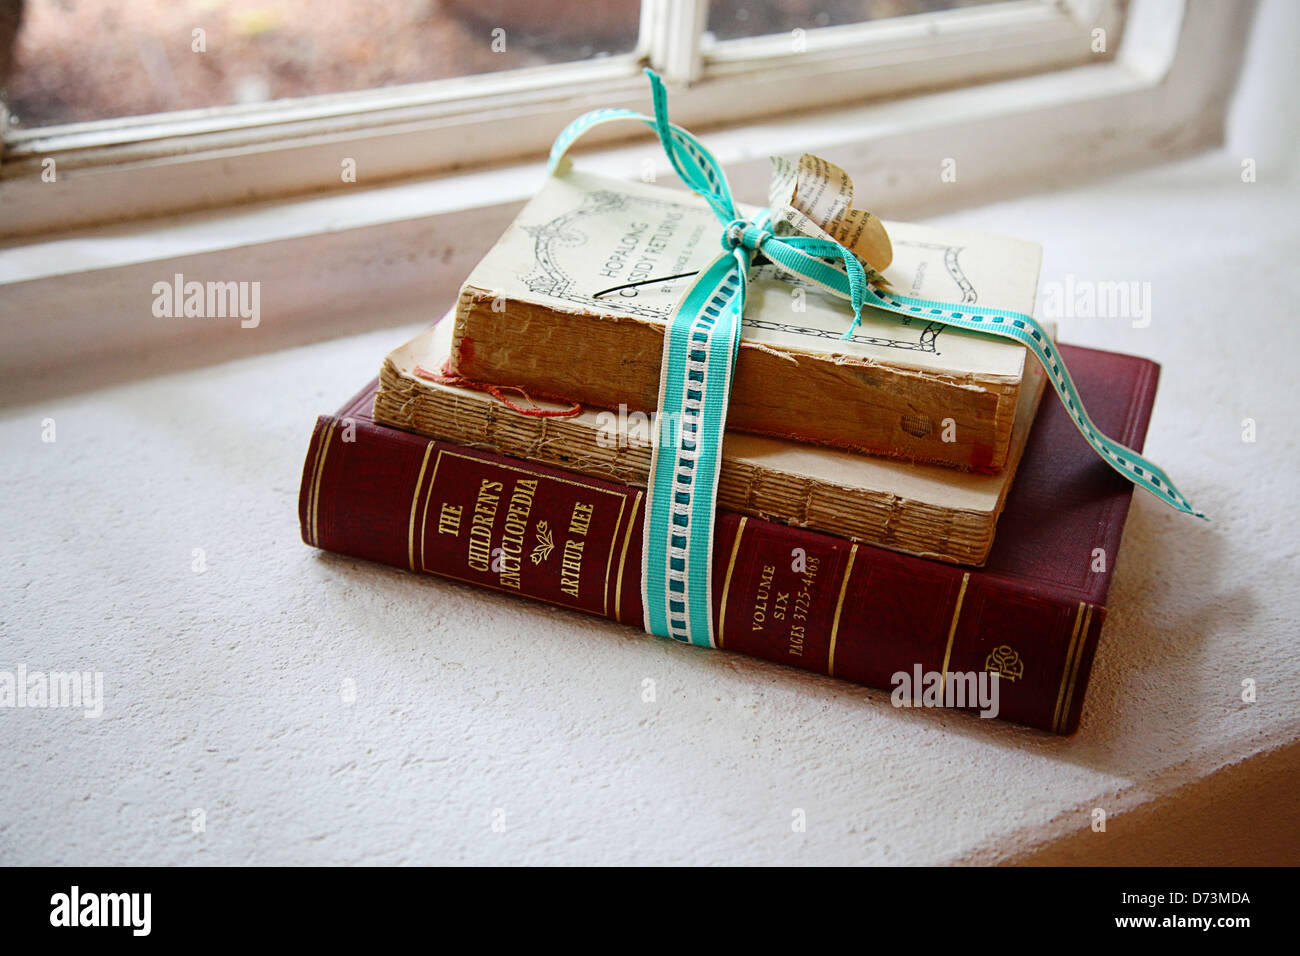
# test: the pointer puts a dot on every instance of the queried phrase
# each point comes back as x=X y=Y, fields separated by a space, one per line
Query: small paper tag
x=815 y=198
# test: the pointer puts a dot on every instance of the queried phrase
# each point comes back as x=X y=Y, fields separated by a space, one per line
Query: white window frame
x=208 y=158
x=75 y=305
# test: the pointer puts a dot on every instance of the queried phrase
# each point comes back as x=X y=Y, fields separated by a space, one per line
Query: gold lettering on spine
x=424 y=510
x=415 y=498
x=726 y=582
x=480 y=529
x=448 y=518
x=580 y=522
x=758 y=616
x=839 y=608
x=571 y=567
x=431 y=484
x=571 y=560
x=516 y=528
x=952 y=633
x=802 y=608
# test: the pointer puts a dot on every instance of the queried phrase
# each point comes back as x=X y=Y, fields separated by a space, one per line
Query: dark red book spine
x=781 y=593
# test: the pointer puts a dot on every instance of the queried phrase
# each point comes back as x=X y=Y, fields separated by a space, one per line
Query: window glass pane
x=732 y=19
x=92 y=59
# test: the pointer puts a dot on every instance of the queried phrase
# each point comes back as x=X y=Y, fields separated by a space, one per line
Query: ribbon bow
x=702 y=341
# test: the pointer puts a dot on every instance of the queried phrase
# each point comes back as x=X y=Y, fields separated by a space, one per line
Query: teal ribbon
x=702 y=341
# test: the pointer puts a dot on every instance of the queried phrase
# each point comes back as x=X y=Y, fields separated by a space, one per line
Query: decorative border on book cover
x=549 y=277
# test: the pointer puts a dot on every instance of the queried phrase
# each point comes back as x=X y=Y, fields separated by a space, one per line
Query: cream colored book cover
x=919 y=509
x=572 y=301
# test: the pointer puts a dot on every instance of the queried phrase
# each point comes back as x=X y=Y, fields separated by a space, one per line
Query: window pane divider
x=673 y=30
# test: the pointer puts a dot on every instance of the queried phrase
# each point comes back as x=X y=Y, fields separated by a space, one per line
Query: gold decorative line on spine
x=415 y=498
x=622 y=559
x=317 y=439
x=952 y=633
x=1074 y=670
x=424 y=513
x=1065 y=669
x=609 y=561
x=726 y=583
x=315 y=490
x=839 y=608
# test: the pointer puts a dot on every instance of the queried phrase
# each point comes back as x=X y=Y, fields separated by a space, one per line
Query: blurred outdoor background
x=65 y=61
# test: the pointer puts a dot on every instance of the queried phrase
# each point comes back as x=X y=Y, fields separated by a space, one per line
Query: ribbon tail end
x=848 y=333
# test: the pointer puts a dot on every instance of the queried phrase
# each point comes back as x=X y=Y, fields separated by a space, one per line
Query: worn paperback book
x=571 y=305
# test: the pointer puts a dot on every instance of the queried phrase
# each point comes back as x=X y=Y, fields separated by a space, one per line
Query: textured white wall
x=224 y=689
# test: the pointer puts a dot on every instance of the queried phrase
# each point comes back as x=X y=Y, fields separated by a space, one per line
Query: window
x=999 y=85
x=146 y=111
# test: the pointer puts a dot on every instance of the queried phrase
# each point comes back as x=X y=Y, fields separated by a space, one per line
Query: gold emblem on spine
x=545 y=543
x=1005 y=661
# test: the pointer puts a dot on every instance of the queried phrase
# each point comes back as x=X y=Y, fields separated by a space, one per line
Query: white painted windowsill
x=223 y=688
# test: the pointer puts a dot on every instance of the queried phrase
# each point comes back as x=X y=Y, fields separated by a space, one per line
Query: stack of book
x=862 y=484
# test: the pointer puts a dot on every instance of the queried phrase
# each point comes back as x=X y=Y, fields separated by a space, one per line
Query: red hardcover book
x=1032 y=615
